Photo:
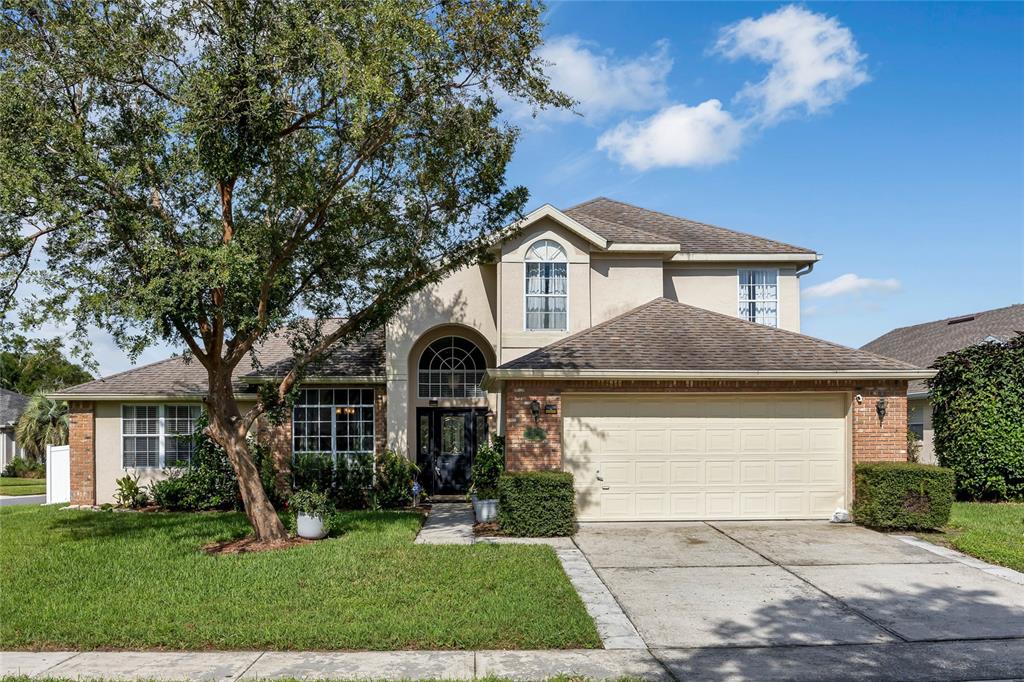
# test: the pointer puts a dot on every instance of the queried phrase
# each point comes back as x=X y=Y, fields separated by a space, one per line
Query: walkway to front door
x=447 y=439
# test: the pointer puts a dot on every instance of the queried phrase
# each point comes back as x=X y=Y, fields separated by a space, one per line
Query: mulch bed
x=249 y=544
x=488 y=530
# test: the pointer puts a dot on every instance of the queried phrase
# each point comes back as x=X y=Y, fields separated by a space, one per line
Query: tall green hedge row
x=902 y=496
x=978 y=419
x=536 y=503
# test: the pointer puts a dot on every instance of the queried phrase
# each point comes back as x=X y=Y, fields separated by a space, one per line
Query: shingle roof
x=623 y=223
x=923 y=344
x=665 y=335
x=175 y=378
x=11 y=406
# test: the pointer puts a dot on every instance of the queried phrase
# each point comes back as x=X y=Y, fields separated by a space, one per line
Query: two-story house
x=658 y=359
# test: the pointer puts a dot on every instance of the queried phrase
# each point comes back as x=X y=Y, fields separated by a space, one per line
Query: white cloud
x=851 y=284
x=600 y=82
x=814 y=60
x=814 y=63
x=678 y=135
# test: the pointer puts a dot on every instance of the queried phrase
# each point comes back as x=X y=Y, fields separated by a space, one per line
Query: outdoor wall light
x=880 y=408
x=535 y=410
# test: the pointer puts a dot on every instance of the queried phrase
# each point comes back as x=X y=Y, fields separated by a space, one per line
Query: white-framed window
x=759 y=296
x=157 y=436
x=334 y=421
x=547 y=287
x=451 y=367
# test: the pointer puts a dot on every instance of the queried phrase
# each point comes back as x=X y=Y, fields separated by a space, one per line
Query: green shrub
x=488 y=465
x=902 y=496
x=536 y=503
x=170 y=493
x=129 y=493
x=19 y=467
x=978 y=419
x=311 y=503
x=208 y=481
x=392 y=481
x=348 y=482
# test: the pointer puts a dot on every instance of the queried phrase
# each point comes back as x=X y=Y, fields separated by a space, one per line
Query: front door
x=447 y=440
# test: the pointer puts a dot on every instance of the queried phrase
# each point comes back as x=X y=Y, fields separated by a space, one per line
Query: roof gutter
x=745 y=257
x=341 y=380
x=124 y=397
x=493 y=376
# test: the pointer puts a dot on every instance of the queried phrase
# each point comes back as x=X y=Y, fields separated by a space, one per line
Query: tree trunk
x=226 y=430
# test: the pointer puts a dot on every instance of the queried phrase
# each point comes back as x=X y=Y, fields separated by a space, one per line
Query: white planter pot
x=310 y=527
x=486 y=510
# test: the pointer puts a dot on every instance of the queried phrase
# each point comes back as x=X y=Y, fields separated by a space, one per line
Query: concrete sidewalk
x=11 y=500
x=908 y=661
x=317 y=665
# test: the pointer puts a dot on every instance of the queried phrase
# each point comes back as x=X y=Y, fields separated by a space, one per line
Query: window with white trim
x=759 y=296
x=157 y=436
x=547 y=287
x=334 y=421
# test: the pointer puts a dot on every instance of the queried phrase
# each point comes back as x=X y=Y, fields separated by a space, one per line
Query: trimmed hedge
x=902 y=496
x=536 y=504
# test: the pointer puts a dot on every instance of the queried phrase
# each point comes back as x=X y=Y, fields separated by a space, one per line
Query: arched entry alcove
x=449 y=409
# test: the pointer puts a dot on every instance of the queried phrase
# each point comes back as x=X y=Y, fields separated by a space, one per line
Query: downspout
x=801 y=272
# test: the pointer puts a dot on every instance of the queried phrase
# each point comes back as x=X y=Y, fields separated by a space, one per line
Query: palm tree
x=44 y=422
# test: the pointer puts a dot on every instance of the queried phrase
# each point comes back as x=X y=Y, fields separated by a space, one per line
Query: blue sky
x=908 y=173
x=889 y=137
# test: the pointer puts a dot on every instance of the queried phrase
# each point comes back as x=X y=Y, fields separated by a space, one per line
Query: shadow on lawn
x=203 y=527
x=797 y=627
x=200 y=526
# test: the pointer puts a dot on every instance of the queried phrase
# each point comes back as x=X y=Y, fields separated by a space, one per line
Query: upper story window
x=759 y=296
x=154 y=436
x=547 y=287
x=451 y=367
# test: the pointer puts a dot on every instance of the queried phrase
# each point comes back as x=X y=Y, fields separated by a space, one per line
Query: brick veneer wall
x=872 y=439
x=82 y=442
x=880 y=440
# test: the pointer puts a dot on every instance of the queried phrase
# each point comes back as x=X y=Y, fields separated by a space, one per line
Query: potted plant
x=487 y=467
x=312 y=511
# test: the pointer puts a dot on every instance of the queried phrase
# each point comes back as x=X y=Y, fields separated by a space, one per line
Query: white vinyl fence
x=58 y=474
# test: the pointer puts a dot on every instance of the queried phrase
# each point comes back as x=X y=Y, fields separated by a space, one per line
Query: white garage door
x=676 y=457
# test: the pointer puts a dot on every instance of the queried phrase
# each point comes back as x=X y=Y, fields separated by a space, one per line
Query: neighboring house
x=923 y=344
x=658 y=359
x=11 y=407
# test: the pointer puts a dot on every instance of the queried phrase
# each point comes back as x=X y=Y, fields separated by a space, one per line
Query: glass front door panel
x=446 y=442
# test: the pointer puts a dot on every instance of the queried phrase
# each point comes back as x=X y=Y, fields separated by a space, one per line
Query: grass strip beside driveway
x=990 y=531
x=22 y=486
x=88 y=580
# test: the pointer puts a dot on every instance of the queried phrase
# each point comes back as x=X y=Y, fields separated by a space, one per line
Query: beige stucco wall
x=919 y=410
x=467 y=299
x=515 y=341
x=619 y=284
x=108 y=449
x=716 y=287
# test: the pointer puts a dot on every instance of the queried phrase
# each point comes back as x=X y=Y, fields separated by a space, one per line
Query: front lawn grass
x=990 y=531
x=88 y=580
x=22 y=486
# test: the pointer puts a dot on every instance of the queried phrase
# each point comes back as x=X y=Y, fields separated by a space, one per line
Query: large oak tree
x=204 y=172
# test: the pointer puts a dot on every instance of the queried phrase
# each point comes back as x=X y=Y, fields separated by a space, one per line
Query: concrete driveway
x=806 y=600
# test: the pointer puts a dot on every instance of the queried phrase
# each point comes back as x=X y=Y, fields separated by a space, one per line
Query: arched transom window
x=547 y=287
x=451 y=367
